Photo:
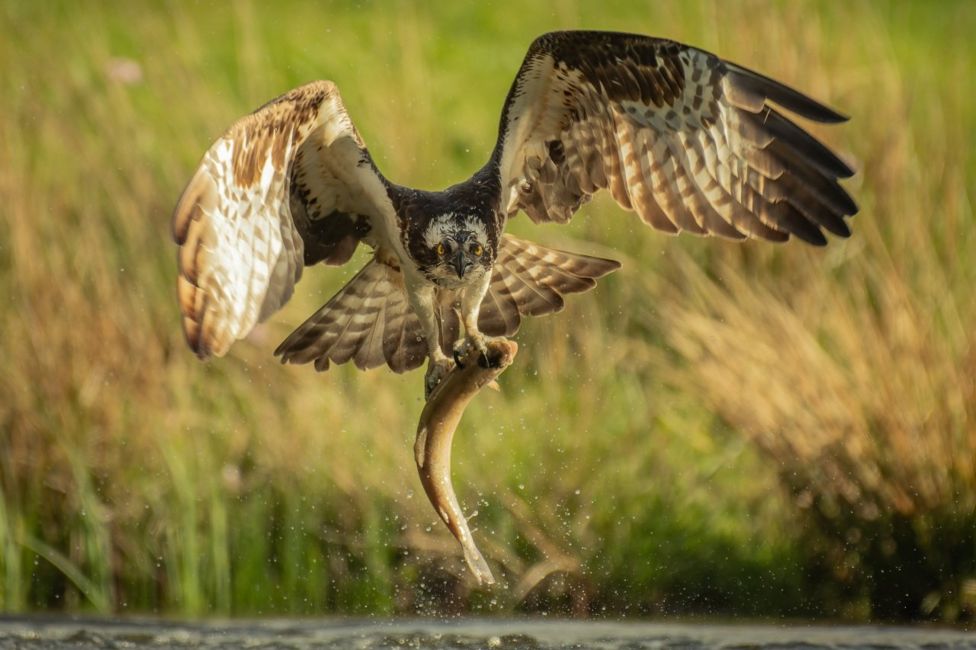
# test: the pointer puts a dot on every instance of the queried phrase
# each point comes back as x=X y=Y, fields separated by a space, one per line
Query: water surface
x=468 y=634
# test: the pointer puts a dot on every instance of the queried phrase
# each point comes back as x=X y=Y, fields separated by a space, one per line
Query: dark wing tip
x=805 y=145
x=812 y=236
x=789 y=98
x=842 y=230
x=609 y=265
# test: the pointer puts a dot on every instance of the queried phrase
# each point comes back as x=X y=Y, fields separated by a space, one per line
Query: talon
x=436 y=372
x=481 y=343
x=478 y=342
x=485 y=359
x=459 y=350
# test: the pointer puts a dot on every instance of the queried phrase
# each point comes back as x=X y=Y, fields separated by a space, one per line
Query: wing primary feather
x=757 y=174
x=811 y=149
x=788 y=98
x=825 y=186
x=797 y=224
x=241 y=242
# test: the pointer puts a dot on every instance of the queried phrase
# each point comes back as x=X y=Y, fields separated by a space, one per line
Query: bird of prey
x=687 y=140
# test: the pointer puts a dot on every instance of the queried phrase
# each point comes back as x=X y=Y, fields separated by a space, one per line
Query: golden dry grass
x=718 y=427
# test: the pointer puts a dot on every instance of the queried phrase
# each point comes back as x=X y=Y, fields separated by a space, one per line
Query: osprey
x=688 y=141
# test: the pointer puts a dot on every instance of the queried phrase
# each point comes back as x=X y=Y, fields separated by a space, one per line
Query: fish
x=435 y=434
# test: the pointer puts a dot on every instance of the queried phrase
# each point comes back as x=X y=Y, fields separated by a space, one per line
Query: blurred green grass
x=718 y=428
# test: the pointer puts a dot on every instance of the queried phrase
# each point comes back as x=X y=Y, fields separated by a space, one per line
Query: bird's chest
x=456 y=296
x=446 y=280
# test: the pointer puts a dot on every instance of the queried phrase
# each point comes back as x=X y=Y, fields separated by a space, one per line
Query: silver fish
x=435 y=432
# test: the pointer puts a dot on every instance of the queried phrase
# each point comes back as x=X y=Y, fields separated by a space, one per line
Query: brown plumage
x=684 y=139
x=369 y=321
x=531 y=280
x=289 y=185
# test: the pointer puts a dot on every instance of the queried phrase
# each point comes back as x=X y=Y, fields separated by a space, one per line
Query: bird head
x=455 y=250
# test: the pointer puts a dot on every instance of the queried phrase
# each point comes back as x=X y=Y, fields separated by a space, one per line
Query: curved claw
x=459 y=351
x=437 y=370
x=463 y=348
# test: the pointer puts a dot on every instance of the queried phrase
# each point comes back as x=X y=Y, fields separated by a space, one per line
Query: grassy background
x=718 y=428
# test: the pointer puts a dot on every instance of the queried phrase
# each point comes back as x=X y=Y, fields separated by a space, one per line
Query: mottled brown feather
x=288 y=185
x=530 y=279
x=672 y=132
x=688 y=141
x=369 y=321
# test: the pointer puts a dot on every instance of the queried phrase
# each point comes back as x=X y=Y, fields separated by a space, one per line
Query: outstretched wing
x=291 y=184
x=687 y=140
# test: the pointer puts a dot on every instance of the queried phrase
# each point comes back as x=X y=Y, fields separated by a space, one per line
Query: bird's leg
x=423 y=300
x=470 y=309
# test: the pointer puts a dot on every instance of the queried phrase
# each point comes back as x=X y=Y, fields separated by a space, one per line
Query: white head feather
x=447 y=225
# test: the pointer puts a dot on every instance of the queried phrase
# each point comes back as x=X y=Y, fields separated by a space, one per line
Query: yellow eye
x=440 y=250
x=477 y=250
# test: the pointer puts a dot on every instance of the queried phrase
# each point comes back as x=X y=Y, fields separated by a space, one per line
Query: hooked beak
x=460 y=263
